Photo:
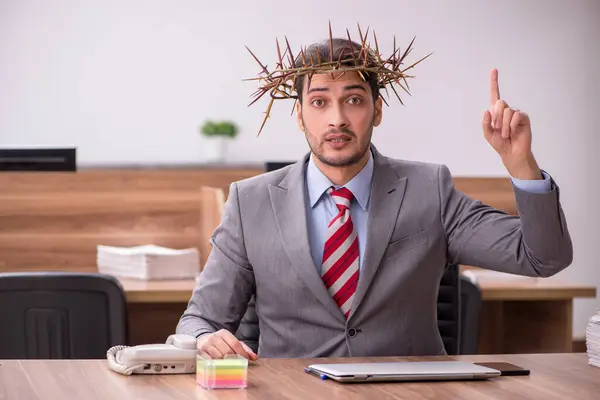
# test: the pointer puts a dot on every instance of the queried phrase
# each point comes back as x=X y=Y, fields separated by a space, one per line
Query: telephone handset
x=176 y=356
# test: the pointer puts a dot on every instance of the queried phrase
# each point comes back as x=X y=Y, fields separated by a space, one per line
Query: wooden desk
x=524 y=289
x=553 y=376
x=526 y=315
x=167 y=291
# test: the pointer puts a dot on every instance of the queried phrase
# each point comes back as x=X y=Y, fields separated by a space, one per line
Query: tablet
x=402 y=371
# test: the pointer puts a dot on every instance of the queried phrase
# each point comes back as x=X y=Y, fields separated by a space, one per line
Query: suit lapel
x=387 y=193
x=288 y=202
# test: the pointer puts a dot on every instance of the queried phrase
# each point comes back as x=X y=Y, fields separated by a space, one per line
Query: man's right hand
x=217 y=345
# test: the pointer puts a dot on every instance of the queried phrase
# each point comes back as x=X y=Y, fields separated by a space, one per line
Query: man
x=344 y=250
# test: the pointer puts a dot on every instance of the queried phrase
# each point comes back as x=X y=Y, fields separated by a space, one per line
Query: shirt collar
x=360 y=186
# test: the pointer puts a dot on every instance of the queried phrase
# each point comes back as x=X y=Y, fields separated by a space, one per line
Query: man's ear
x=378 y=112
x=299 y=116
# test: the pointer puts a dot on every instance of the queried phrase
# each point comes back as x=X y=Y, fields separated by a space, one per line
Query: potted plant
x=219 y=132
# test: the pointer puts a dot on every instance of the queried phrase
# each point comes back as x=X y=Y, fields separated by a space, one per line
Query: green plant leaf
x=221 y=128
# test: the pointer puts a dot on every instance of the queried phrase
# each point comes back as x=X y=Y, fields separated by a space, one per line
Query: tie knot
x=342 y=197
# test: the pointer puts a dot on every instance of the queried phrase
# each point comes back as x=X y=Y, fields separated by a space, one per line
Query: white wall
x=130 y=82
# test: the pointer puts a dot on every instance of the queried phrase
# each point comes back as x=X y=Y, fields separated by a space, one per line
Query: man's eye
x=318 y=103
x=354 y=100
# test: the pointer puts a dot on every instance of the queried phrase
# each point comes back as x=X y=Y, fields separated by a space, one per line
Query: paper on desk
x=148 y=262
x=475 y=275
x=147 y=249
x=592 y=338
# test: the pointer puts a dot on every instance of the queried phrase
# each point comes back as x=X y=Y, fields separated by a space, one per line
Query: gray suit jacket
x=417 y=223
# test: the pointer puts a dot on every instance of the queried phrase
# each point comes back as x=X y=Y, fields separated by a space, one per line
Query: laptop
x=402 y=371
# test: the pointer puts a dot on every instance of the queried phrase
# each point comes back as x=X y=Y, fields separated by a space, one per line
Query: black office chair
x=449 y=311
x=60 y=315
x=458 y=315
x=471 y=304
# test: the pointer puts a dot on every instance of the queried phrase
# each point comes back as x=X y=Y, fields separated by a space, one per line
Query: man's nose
x=337 y=117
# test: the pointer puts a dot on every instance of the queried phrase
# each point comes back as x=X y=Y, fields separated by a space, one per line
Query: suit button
x=352 y=332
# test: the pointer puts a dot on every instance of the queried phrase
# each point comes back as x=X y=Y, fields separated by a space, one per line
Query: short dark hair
x=348 y=50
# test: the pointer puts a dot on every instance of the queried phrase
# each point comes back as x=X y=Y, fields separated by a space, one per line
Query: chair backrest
x=449 y=310
x=449 y=314
x=471 y=305
x=60 y=315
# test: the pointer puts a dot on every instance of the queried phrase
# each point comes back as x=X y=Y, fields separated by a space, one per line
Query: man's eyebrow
x=318 y=89
x=351 y=87
x=346 y=88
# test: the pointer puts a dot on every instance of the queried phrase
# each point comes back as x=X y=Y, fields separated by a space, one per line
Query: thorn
x=279 y=54
x=330 y=43
x=386 y=103
x=294 y=106
x=351 y=48
x=258 y=61
x=303 y=54
x=267 y=115
x=289 y=49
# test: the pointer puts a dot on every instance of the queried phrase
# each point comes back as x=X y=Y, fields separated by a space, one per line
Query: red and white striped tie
x=340 y=256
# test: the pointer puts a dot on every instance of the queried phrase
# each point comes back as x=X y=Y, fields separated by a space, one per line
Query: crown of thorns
x=280 y=82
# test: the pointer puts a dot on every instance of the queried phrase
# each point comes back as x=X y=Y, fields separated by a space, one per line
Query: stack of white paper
x=148 y=262
x=592 y=338
x=478 y=275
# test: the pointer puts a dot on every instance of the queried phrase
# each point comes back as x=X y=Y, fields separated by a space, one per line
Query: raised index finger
x=494 y=89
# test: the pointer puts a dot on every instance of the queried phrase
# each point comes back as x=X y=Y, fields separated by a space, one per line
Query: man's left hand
x=508 y=130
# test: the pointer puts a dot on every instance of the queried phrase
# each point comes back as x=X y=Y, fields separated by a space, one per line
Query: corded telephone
x=176 y=356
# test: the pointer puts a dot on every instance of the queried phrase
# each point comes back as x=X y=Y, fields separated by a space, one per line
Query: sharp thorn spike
x=330 y=44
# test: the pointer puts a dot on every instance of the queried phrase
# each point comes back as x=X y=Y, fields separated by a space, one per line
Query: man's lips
x=337 y=137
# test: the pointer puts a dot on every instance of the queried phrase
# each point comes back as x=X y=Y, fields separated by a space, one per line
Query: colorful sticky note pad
x=228 y=373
